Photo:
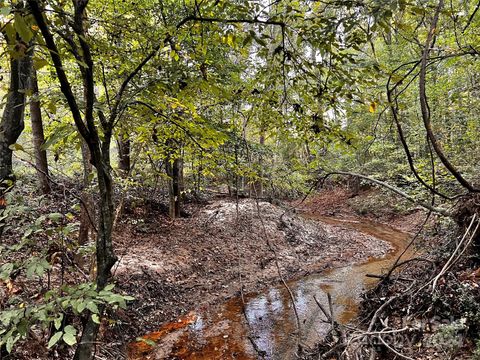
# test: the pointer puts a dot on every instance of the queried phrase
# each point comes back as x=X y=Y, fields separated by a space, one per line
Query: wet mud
x=269 y=324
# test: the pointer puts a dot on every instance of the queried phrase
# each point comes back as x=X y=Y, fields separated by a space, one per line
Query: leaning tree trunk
x=12 y=124
x=38 y=136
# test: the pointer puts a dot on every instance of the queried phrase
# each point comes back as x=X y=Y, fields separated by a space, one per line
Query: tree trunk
x=104 y=252
x=38 y=136
x=12 y=122
x=124 y=162
x=99 y=149
x=11 y=125
x=87 y=209
x=256 y=189
x=174 y=170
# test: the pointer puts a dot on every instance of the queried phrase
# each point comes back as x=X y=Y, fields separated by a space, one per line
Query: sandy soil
x=175 y=267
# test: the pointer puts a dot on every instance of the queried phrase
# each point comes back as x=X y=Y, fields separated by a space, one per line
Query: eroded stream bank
x=264 y=323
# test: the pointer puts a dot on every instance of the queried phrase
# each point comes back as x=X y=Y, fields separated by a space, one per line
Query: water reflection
x=267 y=323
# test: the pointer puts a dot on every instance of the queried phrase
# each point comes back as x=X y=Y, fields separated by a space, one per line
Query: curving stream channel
x=267 y=324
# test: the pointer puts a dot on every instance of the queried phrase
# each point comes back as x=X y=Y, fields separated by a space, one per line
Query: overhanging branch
x=423 y=204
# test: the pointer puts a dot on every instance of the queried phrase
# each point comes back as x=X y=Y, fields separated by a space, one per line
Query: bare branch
x=65 y=86
x=425 y=205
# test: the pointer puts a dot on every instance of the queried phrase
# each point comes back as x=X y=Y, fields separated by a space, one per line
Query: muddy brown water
x=267 y=323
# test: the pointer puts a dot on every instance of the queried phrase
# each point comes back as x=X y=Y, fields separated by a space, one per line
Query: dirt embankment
x=370 y=203
x=175 y=267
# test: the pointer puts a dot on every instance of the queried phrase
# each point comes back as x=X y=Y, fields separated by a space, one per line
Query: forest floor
x=198 y=264
x=174 y=267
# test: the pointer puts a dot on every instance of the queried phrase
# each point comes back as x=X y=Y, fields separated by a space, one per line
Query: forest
x=239 y=179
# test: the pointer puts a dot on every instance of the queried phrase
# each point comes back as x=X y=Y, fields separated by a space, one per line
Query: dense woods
x=110 y=108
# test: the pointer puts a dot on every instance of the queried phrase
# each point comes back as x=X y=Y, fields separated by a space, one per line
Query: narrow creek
x=267 y=323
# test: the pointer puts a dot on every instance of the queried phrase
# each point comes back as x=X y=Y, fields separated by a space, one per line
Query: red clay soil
x=370 y=203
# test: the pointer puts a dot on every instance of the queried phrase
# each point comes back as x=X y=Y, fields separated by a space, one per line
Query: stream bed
x=265 y=323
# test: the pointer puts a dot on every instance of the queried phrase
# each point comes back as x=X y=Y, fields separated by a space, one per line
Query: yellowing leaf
x=16 y=147
x=372 y=107
x=39 y=63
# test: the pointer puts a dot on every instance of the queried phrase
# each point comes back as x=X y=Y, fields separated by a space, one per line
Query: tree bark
x=12 y=122
x=124 y=161
x=99 y=149
x=425 y=109
x=87 y=209
x=174 y=170
x=258 y=184
x=38 y=136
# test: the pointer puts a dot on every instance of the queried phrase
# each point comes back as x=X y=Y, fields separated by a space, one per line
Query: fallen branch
x=452 y=259
x=423 y=204
x=396 y=263
x=341 y=343
x=393 y=350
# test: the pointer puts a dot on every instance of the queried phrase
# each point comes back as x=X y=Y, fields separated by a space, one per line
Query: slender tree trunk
x=425 y=108
x=87 y=209
x=12 y=122
x=198 y=180
x=100 y=150
x=124 y=167
x=38 y=136
x=181 y=186
x=124 y=162
x=256 y=188
x=174 y=170
x=104 y=252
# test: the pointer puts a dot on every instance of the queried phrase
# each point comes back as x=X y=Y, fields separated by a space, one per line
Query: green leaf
x=54 y=339
x=5 y=10
x=6 y=270
x=11 y=33
x=81 y=306
x=10 y=343
x=96 y=318
x=109 y=287
x=55 y=216
x=92 y=307
x=28 y=232
x=69 y=329
x=69 y=339
x=146 y=341
x=58 y=322
x=39 y=63
x=22 y=28
x=61 y=133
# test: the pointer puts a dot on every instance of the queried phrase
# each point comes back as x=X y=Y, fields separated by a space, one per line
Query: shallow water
x=267 y=323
